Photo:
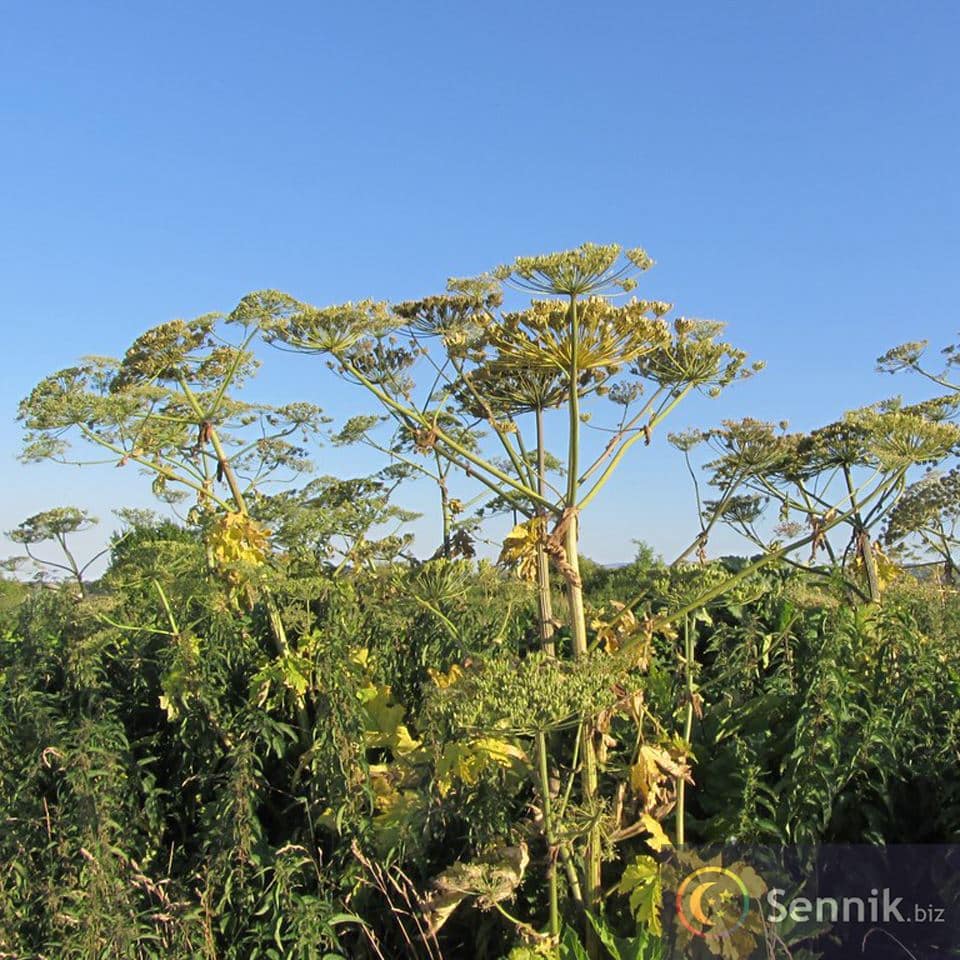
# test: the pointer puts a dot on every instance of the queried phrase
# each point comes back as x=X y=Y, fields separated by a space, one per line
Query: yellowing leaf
x=237 y=541
x=614 y=632
x=654 y=773
x=641 y=881
x=887 y=571
x=444 y=680
x=360 y=656
x=403 y=743
x=384 y=721
x=520 y=547
x=398 y=812
x=466 y=762
x=658 y=839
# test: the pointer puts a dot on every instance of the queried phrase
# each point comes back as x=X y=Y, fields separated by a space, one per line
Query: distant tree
x=644 y=555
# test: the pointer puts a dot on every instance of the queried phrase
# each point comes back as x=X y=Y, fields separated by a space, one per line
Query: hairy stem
x=548 y=831
x=578 y=631
x=544 y=600
x=688 y=653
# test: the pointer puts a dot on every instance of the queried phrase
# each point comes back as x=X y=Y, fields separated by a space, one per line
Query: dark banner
x=830 y=902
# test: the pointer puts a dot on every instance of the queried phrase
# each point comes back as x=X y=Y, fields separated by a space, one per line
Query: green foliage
x=274 y=733
x=163 y=805
x=819 y=720
x=640 y=881
x=524 y=696
x=339 y=521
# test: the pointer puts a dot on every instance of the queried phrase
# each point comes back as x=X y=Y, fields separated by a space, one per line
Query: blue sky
x=792 y=168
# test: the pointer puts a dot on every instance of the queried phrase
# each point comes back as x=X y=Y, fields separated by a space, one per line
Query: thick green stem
x=589 y=775
x=688 y=653
x=544 y=604
x=869 y=565
x=573 y=448
x=862 y=541
x=570 y=869
x=228 y=473
x=548 y=831
x=444 y=505
x=578 y=631
x=544 y=599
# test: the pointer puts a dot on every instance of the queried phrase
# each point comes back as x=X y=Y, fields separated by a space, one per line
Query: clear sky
x=792 y=168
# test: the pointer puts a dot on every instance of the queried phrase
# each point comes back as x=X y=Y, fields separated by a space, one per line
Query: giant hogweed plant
x=57 y=525
x=848 y=476
x=923 y=525
x=339 y=522
x=169 y=407
x=403 y=451
x=851 y=475
x=445 y=366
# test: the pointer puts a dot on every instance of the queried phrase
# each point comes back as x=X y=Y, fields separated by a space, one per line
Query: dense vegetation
x=270 y=731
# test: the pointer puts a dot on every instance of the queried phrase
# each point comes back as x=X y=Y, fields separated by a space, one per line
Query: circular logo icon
x=712 y=902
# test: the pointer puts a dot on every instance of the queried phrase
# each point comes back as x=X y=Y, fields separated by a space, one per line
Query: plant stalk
x=688 y=651
x=544 y=600
x=578 y=632
x=548 y=831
